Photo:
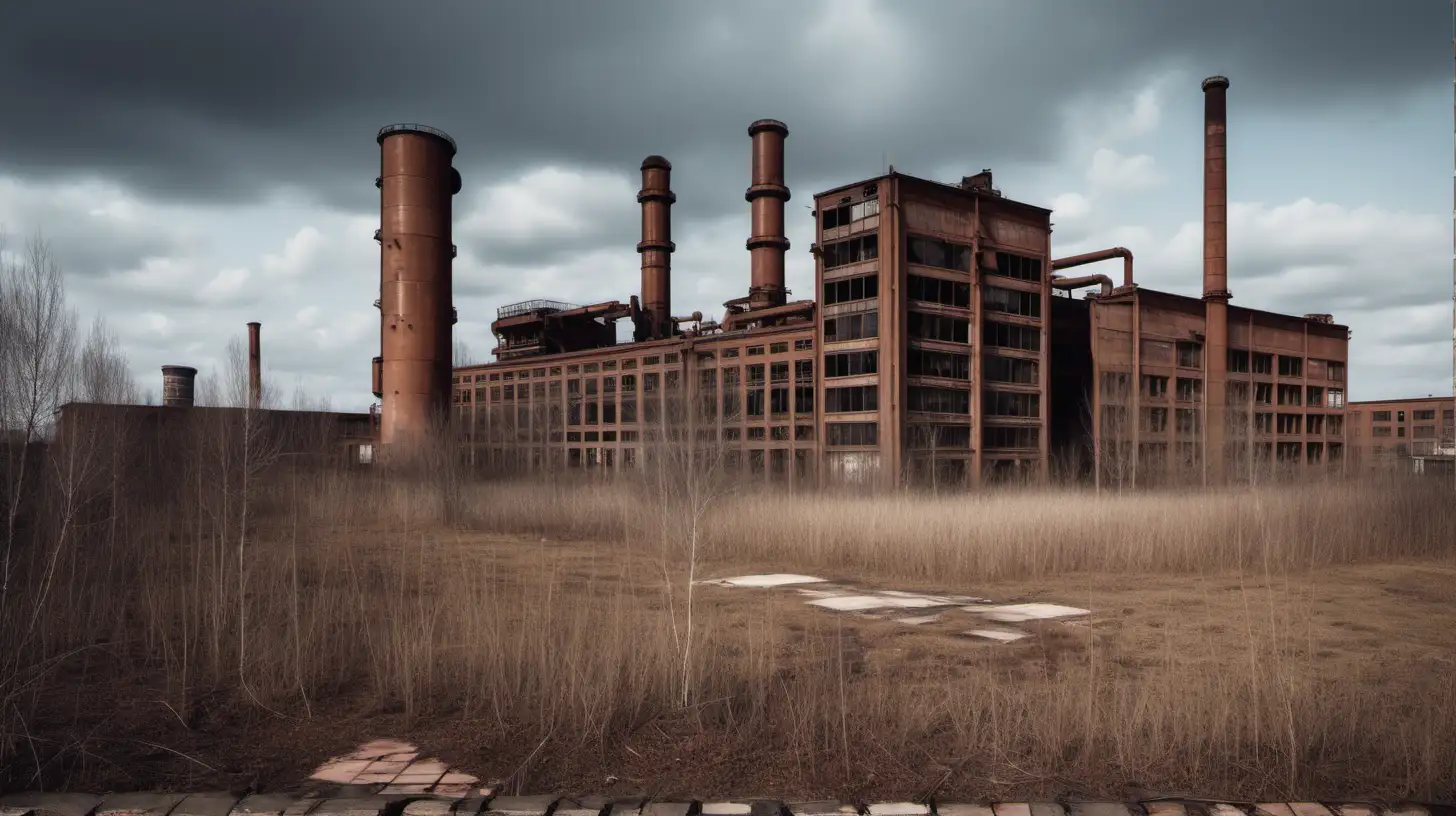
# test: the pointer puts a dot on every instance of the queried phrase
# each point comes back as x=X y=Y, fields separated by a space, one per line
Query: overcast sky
x=202 y=164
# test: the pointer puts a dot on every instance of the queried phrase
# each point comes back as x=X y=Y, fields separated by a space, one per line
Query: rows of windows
x=851 y=363
x=926 y=363
x=1007 y=335
x=852 y=433
x=849 y=213
x=939 y=327
x=938 y=400
x=851 y=399
x=1017 y=266
x=860 y=248
x=995 y=368
x=935 y=252
x=1011 y=301
x=936 y=290
x=847 y=289
x=851 y=327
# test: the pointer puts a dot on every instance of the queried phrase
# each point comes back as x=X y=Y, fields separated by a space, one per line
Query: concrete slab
x=1309 y=809
x=1047 y=809
x=379 y=749
x=1004 y=636
x=898 y=809
x=206 y=804
x=962 y=809
x=765 y=581
x=48 y=804
x=1012 y=808
x=520 y=805
x=1171 y=809
x=1016 y=613
x=265 y=804
x=341 y=771
x=667 y=808
x=430 y=807
x=1098 y=809
x=364 y=806
x=1273 y=809
x=853 y=603
x=138 y=804
x=586 y=806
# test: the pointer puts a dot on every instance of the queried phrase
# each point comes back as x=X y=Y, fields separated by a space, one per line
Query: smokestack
x=656 y=246
x=177 y=385
x=767 y=245
x=1215 y=273
x=255 y=367
x=416 y=183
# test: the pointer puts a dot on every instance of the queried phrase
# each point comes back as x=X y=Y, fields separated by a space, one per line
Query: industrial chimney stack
x=767 y=244
x=255 y=367
x=1215 y=274
x=177 y=385
x=656 y=246
x=416 y=183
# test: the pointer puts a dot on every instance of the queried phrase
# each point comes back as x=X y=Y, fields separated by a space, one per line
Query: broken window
x=1313 y=396
x=1019 y=267
x=1189 y=390
x=1263 y=363
x=851 y=327
x=996 y=368
x=935 y=252
x=938 y=327
x=938 y=400
x=851 y=363
x=804 y=371
x=757 y=434
x=1114 y=385
x=852 y=433
x=1155 y=420
x=1263 y=393
x=755 y=402
x=1336 y=424
x=804 y=345
x=1155 y=387
x=860 y=248
x=847 y=214
x=1005 y=403
x=778 y=372
x=1011 y=301
x=1190 y=355
x=779 y=401
x=730 y=353
x=1006 y=335
x=847 y=289
x=936 y=290
x=1289 y=395
x=1238 y=361
x=927 y=363
x=755 y=374
x=1187 y=419
x=1010 y=438
x=1290 y=366
x=854 y=398
x=803 y=399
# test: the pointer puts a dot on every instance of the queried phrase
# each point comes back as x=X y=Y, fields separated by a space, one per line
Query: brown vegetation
x=246 y=617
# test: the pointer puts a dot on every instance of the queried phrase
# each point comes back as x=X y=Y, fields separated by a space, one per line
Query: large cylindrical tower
x=1215 y=273
x=767 y=244
x=656 y=247
x=416 y=183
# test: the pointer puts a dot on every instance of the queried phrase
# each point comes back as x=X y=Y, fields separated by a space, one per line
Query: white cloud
x=548 y=204
x=224 y=286
x=1071 y=206
x=1111 y=170
x=299 y=252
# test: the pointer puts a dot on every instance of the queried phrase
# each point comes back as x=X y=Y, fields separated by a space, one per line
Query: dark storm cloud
x=223 y=101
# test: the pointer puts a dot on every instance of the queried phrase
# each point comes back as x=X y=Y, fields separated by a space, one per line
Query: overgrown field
x=1295 y=642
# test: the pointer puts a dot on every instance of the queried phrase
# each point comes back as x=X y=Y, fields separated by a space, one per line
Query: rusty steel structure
x=1216 y=295
x=766 y=196
x=255 y=367
x=656 y=248
x=944 y=345
x=416 y=182
x=178 y=385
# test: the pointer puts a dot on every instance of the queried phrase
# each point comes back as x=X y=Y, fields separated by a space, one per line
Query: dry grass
x=1294 y=643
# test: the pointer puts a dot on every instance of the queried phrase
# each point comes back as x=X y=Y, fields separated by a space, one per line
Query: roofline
x=537 y=360
x=937 y=185
x=1232 y=307
x=1445 y=399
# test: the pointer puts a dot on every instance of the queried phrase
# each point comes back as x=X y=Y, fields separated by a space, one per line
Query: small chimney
x=177 y=385
x=767 y=245
x=656 y=246
x=255 y=367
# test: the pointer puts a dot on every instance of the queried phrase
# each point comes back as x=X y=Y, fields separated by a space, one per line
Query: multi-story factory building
x=940 y=347
x=1385 y=431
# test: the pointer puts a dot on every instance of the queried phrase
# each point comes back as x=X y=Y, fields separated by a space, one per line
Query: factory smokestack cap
x=179 y=370
x=1212 y=82
x=656 y=163
x=422 y=130
x=768 y=124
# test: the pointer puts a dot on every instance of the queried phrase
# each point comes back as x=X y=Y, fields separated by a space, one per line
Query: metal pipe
x=416 y=183
x=800 y=307
x=178 y=385
x=255 y=367
x=1100 y=255
x=1215 y=272
x=1068 y=284
x=656 y=246
x=767 y=245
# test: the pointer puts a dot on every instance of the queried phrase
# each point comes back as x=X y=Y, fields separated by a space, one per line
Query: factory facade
x=943 y=345
x=1383 y=432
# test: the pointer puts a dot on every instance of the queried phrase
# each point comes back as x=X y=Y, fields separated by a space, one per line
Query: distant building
x=1384 y=432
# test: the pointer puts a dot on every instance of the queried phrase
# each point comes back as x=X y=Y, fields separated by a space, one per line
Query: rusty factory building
x=944 y=345
x=1421 y=430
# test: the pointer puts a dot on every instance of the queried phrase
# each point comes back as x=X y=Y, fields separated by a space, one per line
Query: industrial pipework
x=255 y=367
x=416 y=183
x=767 y=244
x=178 y=385
x=656 y=246
x=1093 y=257
x=1215 y=273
